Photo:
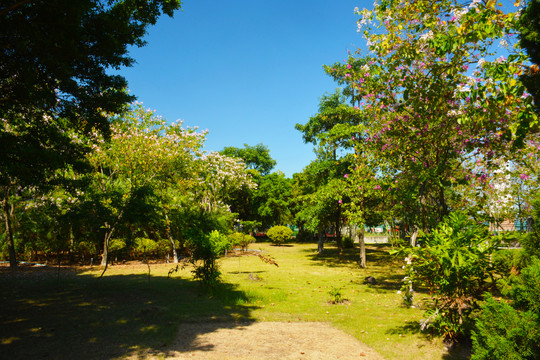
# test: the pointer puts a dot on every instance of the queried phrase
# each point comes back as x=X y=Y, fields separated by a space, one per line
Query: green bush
x=116 y=245
x=348 y=242
x=241 y=239
x=508 y=261
x=455 y=265
x=305 y=236
x=279 y=234
x=511 y=331
x=205 y=250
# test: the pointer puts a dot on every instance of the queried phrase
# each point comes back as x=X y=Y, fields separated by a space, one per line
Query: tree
x=321 y=199
x=255 y=157
x=330 y=131
x=220 y=175
x=436 y=100
x=259 y=164
x=529 y=26
x=54 y=84
x=272 y=199
x=144 y=157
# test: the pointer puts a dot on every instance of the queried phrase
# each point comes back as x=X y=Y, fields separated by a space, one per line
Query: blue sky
x=246 y=70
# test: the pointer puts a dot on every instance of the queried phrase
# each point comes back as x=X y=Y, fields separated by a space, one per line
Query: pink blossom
x=346 y=176
x=377 y=187
x=524 y=176
x=348 y=66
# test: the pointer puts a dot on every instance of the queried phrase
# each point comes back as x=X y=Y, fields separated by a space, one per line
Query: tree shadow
x=376 y=255
x=76 y=316
x=458 y=351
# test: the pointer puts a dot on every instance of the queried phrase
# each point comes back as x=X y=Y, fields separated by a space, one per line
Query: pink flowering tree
x=434 y=97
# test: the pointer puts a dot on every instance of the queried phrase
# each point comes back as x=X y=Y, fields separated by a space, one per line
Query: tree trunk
x=7 y=210
x=361 y=240
x=414 y=236
x=71 y=245
x=108 y=235
x=320 y=245
x=171 y=240
x=105 y=255
x=339 y=241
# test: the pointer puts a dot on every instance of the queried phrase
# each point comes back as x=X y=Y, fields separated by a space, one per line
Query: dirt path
x=267 y=341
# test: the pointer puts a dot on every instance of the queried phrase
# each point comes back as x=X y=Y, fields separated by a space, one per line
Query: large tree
x=54 y=82
x=438 y=100
x=145 y=159
x=255 y=157
x=529 y=38
x=329 y=131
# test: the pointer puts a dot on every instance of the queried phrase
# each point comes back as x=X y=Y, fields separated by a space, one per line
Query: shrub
x=241 y=239
x=455 y=266
x=511 y=331
x=507 y=261
x=348 y=242
x=205 y=250
x=304 y=236
x=279 y=234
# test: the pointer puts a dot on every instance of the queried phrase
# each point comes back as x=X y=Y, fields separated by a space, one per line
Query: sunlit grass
x=299 y=290
x=129 y=311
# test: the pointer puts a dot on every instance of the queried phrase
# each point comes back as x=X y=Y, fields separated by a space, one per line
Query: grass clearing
x=128 y=312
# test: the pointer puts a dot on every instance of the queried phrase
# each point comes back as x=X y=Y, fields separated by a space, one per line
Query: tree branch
x=13 y=7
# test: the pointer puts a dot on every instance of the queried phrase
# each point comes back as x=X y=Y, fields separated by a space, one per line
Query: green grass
x=128 y=312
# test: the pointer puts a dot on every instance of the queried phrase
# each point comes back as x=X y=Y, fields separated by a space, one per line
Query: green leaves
x=455 y=264
x=279 y=234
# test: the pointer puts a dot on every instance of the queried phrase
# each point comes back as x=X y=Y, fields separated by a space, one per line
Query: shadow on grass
x=79 y=317
x=376 y=255
x=458 y=351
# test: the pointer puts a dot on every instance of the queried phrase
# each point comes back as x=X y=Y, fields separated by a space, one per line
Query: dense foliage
x=279 y=234
x=454 y=263
x=55 y=88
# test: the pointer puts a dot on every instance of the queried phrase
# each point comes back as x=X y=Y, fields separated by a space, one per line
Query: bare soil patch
x=267 y=341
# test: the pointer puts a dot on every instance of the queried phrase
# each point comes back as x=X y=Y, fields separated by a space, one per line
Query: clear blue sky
x=246 y=70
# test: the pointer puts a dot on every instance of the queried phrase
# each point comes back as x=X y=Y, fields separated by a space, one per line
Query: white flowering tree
x=145 y=155
x=218 y=176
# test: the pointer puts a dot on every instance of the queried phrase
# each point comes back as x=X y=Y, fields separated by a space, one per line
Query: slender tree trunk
x=442 y=202
x=71 y=245
x=320 y=245
x=7 y=211
x=361 y=240
x=171 y=240
x=105 y=255
x=108 y=235
x=339 y=241
x=414 y=235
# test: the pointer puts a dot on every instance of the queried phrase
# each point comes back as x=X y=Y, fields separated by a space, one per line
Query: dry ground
x=267 y=341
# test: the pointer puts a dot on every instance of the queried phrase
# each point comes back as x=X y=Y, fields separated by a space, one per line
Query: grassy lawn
x=45 y=314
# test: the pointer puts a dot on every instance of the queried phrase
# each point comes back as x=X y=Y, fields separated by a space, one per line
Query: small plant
x=241 y=239
x=279 y=234
x=205 y=250
x=336 y=295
